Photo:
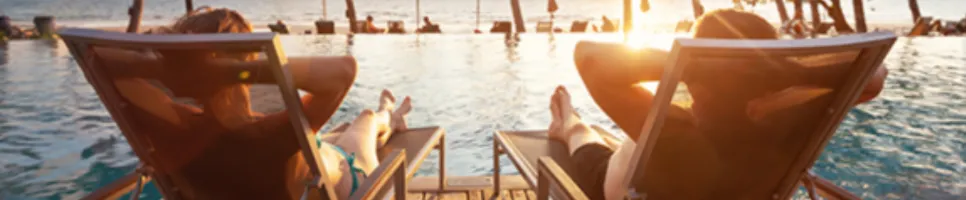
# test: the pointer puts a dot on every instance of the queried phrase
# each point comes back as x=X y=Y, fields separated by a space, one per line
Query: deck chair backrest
x=130 y=119
x=796 y=133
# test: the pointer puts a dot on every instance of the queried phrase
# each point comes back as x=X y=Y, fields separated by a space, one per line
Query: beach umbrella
x=645 y=6
x=552 y=7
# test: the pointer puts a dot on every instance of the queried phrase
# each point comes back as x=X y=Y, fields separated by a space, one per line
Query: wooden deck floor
x=470 y=187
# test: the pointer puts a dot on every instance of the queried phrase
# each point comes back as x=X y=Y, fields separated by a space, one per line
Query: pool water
x=58 y=142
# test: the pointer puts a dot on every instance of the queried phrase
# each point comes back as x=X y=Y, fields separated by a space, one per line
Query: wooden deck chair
x=545 y=163
x=544 y=26
x=922 y=27
x=399 y=159
x=278 y=28
x=395 y=27
x=578 y=26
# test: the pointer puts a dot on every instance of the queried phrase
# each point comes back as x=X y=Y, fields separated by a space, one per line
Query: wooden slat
x=474 y=195
x=453 y=195
x=519 y=194
x=531 y=195
x=487 y=193
x=465 y=183
x=414 y=195
x=505 y=194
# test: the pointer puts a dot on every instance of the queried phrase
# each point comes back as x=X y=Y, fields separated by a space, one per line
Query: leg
x=373 y=128
x=584 y=144
x=362 y=138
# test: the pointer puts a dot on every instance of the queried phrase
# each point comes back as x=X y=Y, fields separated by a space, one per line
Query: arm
x=611 y=73
x=126 y=63
x=326 y=79
x=618 y=65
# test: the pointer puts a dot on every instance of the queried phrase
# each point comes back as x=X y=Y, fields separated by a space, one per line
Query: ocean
x=456 y=16
x=58 y=142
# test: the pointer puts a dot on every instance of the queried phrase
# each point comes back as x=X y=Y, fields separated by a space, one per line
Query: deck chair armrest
x=826 y=189
x=550 y=174
x=392 y=168
x=118 y=187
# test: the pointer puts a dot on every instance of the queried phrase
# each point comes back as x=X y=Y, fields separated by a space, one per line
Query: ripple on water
x=57 y=142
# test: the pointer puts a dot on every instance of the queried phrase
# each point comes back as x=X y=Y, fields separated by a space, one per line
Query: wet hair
x=733 y=24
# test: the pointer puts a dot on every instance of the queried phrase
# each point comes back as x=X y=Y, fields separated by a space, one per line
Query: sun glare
x=649 y=32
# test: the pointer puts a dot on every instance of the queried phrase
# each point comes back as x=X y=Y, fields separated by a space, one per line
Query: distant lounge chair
x=683 y=26
x=400 y=157
x=922 y=27
x=578 y=26
x=610 y=26
x=325 y=26
x=395 y=27
x=501 y=27
x=544 y=163
x=278 y=28
x=544 y=26
x=432 y=28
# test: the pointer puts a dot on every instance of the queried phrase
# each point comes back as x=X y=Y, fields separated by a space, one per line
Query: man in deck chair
x=702 y=152
x=223 y=149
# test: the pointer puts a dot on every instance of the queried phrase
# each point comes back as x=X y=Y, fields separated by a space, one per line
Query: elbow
x=348 y=69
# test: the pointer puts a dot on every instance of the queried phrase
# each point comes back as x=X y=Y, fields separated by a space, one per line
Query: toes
x=405 y=107
x=386 y=94
x=555 y=106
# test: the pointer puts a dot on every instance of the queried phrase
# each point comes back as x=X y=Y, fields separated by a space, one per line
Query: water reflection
x=57 y=141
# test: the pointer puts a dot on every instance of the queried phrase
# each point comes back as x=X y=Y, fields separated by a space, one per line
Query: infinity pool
x=58 y=142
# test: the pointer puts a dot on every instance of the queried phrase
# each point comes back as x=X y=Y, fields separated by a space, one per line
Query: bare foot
x=397 y=119
x=564 y=116
x=396 y=116
x=387 y=101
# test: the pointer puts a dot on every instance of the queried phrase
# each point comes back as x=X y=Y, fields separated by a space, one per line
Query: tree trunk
x=698 y=8
x=816 y=19
x=859 y=10
x=518 y=16
x=189 y=6
x=135 y=12
x=782 y=12
x=799 y=11
x=914 y=7
x=350 y=13
x=841 y=24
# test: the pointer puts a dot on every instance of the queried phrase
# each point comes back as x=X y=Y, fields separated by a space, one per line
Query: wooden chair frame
x=80 y=41
x=874 y=48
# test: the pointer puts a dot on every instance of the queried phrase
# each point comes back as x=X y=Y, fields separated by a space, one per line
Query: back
x=763 y=110
x=190 y=152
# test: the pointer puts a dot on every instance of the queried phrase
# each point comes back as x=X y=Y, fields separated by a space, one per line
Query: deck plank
x=445 y=196
x=474 y=195
x=465 y=183
x=519 y=195
x=486 y=193
x=414 y=195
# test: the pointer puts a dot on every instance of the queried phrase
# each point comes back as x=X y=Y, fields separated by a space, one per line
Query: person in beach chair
x=756 y=124
x=429 y=26
x=207 y=143
x=371 y=26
